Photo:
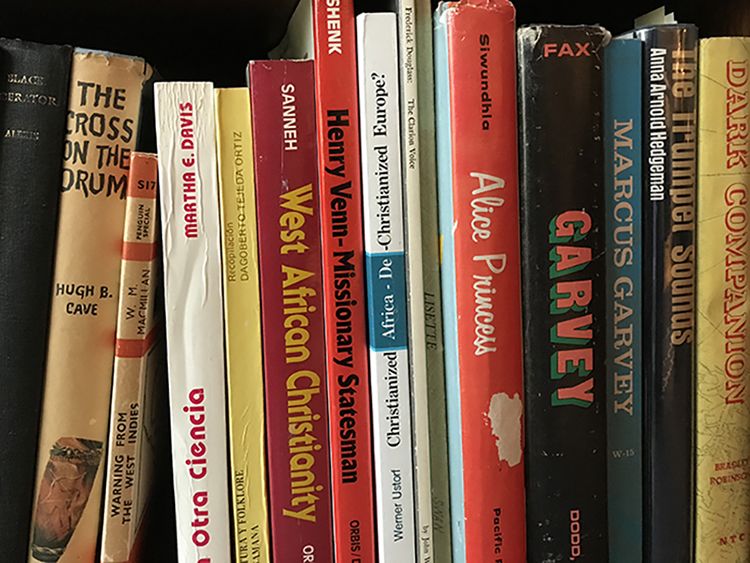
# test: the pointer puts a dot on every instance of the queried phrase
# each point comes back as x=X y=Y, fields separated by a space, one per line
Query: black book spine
x=33 y=109
x=563 y=270
x=669 y=184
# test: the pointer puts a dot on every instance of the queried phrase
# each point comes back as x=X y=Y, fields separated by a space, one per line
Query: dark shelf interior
x=214 y=39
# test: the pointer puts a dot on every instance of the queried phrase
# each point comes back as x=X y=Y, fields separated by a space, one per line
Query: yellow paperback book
x=723 y=410
x=242 y=325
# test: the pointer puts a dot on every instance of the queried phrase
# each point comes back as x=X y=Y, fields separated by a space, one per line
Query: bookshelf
x=213 y=40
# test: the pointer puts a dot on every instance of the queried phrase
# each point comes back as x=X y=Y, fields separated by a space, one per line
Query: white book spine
x=194 y=319
x=386 y=285
x=407 y=33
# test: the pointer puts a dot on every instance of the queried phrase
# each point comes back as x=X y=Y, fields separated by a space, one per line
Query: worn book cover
x=722 y=503
x=33 y=114
x=191 y=240
x=622 y=154
x=564 y=290
x=242 y=335
x=479 y=230
x=382 y=200
x=670 y=141
x=288 y=196
x=104 y=103
x=337 y=119
x=138 y=370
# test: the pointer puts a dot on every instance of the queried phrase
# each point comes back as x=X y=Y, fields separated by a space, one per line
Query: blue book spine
x=623 y=61
x=448 y=280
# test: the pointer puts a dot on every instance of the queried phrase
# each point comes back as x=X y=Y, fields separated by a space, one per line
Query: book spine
x=33 y=105
x=722 y=501
x=103 y=107
x=287 y=193
x=446 y=269
x=433 y=320
x=564 y=264
x=337 y=115
x=382 y=195
x=137 y=335
x=244 y=347
x=622 y=152
x=189 y=203
x=670 y=71
x=412 y=187
x=479 y=227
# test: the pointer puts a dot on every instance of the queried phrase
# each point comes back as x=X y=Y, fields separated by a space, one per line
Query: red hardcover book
x=479 y=224
x=283 y=115
x=344 y=282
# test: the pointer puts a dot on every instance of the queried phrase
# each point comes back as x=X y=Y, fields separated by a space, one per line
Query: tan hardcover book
x=722 y=504
x=104 y=105
x=138 y=372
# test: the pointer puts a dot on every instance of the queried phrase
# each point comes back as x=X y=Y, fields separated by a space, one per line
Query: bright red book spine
x=344 y=281
x=482 y=78
x=283 y=116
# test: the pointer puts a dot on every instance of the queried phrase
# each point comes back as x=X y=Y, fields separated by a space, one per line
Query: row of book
x=477 y=315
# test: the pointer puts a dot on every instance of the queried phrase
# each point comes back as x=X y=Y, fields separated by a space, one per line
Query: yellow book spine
x=242 y=325
x=722 y=401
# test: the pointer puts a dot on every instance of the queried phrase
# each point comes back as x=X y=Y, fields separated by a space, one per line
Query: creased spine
x=190 y=223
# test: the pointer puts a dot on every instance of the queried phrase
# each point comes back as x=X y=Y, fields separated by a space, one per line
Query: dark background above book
x=214 y=39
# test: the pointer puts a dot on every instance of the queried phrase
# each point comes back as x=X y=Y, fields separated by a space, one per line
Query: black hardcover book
x=33 y=110
x=563 y=271
x=670 y=131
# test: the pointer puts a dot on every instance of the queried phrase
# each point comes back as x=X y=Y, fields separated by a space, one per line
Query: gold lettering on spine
x=302 y=385
x=682 y=196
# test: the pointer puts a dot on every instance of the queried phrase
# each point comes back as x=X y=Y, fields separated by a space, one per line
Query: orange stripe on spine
x=140 y=251
x=135 y=347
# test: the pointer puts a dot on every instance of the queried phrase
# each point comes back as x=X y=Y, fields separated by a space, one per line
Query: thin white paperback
x=185 y=129
x=411 y=163
x=378 y=84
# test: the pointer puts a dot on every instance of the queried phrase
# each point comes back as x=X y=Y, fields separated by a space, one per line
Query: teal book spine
x=623 y=60
x=448 y=281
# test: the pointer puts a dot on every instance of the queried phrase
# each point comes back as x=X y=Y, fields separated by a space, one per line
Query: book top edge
x=177 y=83
x=456 y=7
x=24 y=43
x=725 y=39
x=664 y=26
x=105 y=53
x=542 y=26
